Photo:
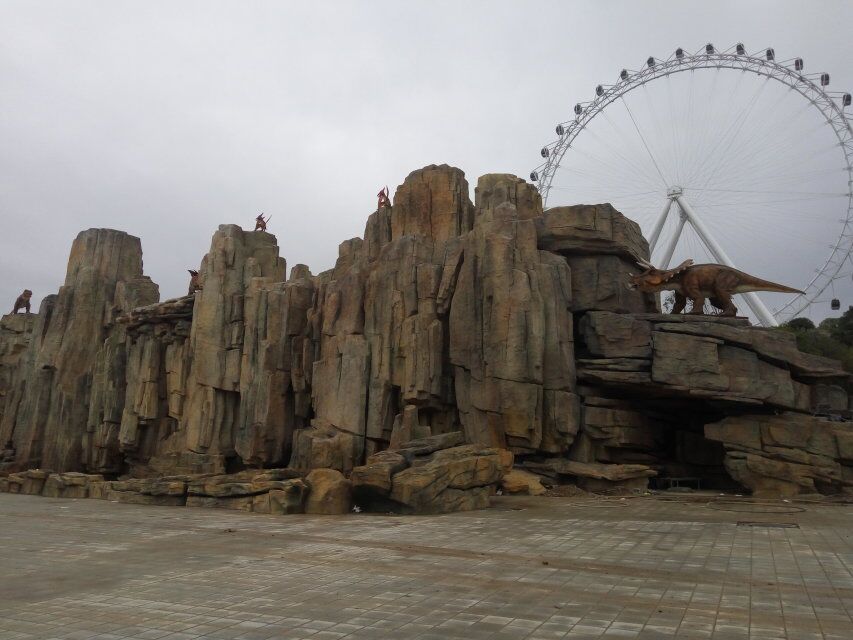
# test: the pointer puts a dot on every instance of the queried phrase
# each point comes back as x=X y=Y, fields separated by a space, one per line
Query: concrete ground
x=533 y=568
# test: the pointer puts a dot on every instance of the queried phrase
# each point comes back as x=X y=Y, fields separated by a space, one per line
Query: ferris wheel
x=736 y=157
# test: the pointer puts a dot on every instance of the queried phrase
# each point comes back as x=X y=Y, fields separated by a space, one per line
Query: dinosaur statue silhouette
x=715 y=282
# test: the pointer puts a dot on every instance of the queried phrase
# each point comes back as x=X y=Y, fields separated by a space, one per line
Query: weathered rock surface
x=69 y=485
x=16 y=331
x=787 y=454
x=511 y=338
x=104 y=278
x=721 y=359
x=522 y=482
x=218 y=336
x=601 y=247
x=272 y=491
x=651 y=381
x=288 y=498
x=30 y=482
x=329 y=493
x=431 y=475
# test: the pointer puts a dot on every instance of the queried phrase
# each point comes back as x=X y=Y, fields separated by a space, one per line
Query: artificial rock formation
x=47 y=421
x=450 y=337
x=698 y=396
x=436 y=474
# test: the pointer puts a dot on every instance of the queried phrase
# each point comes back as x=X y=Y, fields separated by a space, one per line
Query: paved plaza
x=529 y=568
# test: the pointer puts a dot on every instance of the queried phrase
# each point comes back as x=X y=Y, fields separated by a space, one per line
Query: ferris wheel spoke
x=742 y=149
x=660 y=135
x=767 y=128
x=674 y=133
x=640 y=168
x=772 y=192
x=765 y=158
x=755 y=175
x=708 y=130
x=631 y=173
x=743 y=245
x=721 y=150
x=631 y=170
x=711 y=150
x=753 y=203
x=768 y=179
x=592 y=178
x=645 y=145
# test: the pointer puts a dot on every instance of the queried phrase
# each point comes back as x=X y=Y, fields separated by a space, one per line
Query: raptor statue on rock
x=715 y=282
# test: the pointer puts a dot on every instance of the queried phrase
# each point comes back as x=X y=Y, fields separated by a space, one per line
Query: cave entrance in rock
x=664 y=434
x=688 y=460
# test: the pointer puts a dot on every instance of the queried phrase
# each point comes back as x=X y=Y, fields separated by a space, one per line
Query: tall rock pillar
x=212 y=404
x=51 y=423
x=511 y=336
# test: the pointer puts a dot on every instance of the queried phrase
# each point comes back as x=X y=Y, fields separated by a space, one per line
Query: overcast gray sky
x=166 y=119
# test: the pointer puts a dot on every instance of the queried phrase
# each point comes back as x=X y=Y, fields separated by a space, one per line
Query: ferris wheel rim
x=681 y=61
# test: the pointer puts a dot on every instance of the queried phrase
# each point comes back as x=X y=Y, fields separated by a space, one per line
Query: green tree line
x=832 y=338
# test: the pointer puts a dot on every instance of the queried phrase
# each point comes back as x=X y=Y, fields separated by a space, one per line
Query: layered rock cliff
x=494 y=320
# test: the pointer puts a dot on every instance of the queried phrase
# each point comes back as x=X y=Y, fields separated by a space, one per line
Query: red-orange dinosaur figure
x=261 y=222
x=195 y=285
x=698 y=282
x=384 y=200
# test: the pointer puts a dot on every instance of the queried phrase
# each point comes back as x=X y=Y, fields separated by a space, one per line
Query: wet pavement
x=529 y=568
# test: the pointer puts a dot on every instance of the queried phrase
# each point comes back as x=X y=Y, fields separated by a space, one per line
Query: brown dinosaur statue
x=261 y=223
x=384 y=200
x=715 y=282
x=195 y=283
x=23 y=301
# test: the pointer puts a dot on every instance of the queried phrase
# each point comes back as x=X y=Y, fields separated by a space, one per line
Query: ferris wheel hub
x=674 y=191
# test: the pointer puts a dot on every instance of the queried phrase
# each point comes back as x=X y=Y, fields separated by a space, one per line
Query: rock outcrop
x=104 y=278
x=16 y=333
x=686 y=395
x=786 y=454
x=436 y=474
x=450 y=338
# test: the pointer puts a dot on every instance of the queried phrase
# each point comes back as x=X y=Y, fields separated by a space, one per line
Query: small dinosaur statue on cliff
x=23 y=301
x=195 y=282
x=698 y=282
x=261 y=222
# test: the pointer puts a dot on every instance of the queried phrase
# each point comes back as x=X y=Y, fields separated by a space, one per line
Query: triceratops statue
x=714 y=282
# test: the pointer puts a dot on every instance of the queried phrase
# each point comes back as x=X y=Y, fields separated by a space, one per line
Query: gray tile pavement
x=529 y=568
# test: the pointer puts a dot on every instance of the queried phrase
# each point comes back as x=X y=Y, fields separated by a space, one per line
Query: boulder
x=330 y=493
x=431 y=444
x=373 y=481
x=325 y=447
x=522 y=482
x=419 y=488
x=785 y=454
x=591 y=229
x=289 y=498
x=69 y=485
x=30 y=482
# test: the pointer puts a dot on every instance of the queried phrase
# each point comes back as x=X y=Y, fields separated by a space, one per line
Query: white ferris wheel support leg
x=670 y=249
x=653 y=239
x=754 y=302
